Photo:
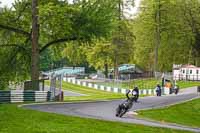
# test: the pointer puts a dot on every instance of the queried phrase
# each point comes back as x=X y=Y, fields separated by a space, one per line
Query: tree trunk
x=116 y=72
x=117 y=41
x=106 y=69
x=157 y=20
x=35 y=49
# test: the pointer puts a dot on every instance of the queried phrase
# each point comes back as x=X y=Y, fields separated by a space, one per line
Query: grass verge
x=186 y=113
x=91 y=94
x=148 y=83
x=19 y=120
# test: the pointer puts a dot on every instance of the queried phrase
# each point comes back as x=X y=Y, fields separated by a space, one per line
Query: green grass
x=186 y=84
x=19 y=120
x=186 y=113
x=141 y=83
x=91 y=94
x=148 y=84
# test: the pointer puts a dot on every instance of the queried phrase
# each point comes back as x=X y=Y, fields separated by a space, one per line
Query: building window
x=183 y=71
x=187 y=71
x=190 y=71
x=197 y=71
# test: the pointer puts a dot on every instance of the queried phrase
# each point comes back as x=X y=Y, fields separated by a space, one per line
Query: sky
x=130 y=11
x=6 y=2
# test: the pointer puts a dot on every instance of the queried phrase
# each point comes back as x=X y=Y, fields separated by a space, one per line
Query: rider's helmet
x=158 y=85
x=135 y=87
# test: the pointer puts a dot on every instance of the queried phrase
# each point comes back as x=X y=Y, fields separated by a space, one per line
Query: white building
x=186 y=72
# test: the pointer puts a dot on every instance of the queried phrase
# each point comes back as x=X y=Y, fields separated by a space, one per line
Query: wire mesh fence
x=187 y=77
x=150 y=83
x=144 y=83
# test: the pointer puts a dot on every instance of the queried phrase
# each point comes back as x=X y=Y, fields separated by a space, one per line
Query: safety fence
x=187 y=77
x=108 y=88
x=16 y=96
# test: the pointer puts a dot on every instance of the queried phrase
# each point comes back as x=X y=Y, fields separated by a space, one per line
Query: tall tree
x=158 y=32
x=35 y=47
x=100 y=56
x=176 y=38
x=190 y=12
x=118 y=35
x=59 y=22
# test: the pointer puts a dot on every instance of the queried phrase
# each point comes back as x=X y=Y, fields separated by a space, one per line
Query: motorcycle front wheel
x=123 y=111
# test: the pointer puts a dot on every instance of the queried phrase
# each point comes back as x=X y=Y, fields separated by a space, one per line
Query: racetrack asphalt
x=105 y=110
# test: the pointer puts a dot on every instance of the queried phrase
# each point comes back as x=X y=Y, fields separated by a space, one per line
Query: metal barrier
x=15 y=96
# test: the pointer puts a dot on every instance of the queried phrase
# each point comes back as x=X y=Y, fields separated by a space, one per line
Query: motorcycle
x=122 y=109
x=126 y=105
x=176 y=90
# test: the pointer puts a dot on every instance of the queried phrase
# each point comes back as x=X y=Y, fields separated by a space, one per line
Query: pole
x=60 y=88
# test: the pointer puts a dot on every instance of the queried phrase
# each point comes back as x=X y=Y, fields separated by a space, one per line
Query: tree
x=190 y=13
x=59 y=22
x=75 y=53
x=118 y=36
x=175 y=40
x=99 y=56
x=101 y=53
x=158 y=32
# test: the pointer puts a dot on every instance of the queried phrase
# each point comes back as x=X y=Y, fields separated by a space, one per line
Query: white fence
x=108 y=88
x=190 y=77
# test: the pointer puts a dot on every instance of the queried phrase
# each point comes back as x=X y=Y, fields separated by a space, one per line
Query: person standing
x=176 y=89
x=158 y=90
x=136 y=90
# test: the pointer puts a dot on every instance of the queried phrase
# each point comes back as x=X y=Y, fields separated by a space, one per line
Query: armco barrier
x=108 y=88
x=16 y=96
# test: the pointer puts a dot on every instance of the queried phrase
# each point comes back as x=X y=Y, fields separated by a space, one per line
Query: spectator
x=158 y=90
x=136 y=89
x=176 y=89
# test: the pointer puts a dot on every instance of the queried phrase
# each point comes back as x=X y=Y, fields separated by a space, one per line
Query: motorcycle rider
x=126 y=104
x=176 y=89
x=135 y=92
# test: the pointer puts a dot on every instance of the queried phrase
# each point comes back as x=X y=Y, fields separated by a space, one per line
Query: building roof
x=66 y=70
x=179 y=66
x=128 y=68
x=188 y=66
